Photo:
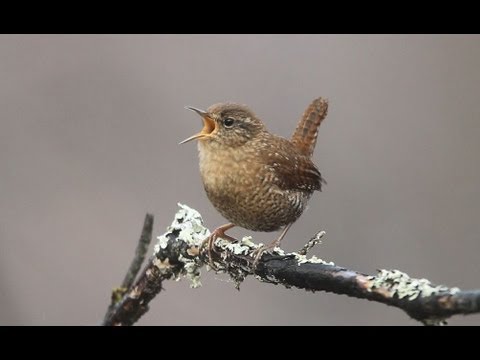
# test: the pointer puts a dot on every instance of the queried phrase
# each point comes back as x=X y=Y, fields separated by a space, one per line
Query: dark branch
x=418 y=298
x=177 y=254
x=140 y=252
x=135 y=266
x=172 y=258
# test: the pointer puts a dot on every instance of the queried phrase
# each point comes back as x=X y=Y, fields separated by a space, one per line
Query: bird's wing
x=289 y=169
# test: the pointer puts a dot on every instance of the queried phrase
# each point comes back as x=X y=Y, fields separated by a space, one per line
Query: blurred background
x=89 y=132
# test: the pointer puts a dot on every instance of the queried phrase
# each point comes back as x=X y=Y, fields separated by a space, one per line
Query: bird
x=255 y=179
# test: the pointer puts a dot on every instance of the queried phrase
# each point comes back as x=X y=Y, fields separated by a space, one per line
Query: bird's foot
x=257 y=254
x=210 y=242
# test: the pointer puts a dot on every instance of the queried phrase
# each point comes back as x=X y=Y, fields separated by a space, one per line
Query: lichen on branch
x=179 y=253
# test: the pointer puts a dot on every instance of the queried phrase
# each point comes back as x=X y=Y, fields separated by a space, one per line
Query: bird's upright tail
x=305 y=136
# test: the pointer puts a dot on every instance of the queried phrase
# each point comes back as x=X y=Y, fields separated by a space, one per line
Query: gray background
x=89 y=127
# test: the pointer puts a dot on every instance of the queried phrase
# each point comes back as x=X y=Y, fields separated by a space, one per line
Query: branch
x=177 y=254
x=140 y=252
x=172 y=259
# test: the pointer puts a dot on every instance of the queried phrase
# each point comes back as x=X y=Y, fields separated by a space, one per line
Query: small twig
x=177 y=255
x=140 y=252
x=135 y=266
x=317 y=239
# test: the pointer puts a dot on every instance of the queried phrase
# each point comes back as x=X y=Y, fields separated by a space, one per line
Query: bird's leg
x=210 y=241
x=258 y=253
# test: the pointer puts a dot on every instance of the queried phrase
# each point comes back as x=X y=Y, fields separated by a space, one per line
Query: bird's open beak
x=208 y=125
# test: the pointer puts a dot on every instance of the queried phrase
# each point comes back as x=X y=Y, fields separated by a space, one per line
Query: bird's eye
x=228 y=122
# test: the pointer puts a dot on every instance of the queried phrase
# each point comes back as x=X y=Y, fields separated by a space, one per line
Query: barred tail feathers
x=305 y=136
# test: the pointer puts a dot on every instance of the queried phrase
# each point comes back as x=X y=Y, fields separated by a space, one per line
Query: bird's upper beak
x=208 y=125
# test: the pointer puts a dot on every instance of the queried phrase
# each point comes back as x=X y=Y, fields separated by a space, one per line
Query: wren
x=255 y=179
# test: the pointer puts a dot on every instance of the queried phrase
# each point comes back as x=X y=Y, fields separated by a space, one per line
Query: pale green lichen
x=317 y=239
x=243 y=247
x=301 y=256
x=400 y=284
x=192 y=270
x=302 y=259
x=246 y=246
x=189 y=224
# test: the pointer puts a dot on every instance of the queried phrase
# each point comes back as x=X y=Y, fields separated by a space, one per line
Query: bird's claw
x=210 y=242
x=257 y=254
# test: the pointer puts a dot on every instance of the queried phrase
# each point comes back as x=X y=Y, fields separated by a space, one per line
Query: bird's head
x=227 y=124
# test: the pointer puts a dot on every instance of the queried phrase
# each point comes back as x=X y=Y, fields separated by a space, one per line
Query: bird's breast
x=243 y=190
x=223 y=169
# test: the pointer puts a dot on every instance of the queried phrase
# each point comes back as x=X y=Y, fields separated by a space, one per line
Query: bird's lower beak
x=208 y=125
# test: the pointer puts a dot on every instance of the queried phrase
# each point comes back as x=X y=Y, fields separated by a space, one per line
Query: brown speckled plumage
x=255 y=179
